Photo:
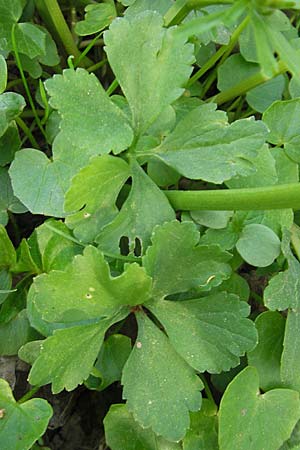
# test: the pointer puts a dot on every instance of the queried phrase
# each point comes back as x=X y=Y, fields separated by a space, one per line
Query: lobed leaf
x=265 y=357
x=74 y=94
x=90 y=201
x=197 y=265
x=281 y=118
x=145 y=207
x=21 y=424
x=67 y=357
x=92 y=292
x=210 y=333
x=203 y=432
x=156 y=397
x=97 y=17
x=203 y=146
x=156 y=83
x=244 y=413
x=124 y=433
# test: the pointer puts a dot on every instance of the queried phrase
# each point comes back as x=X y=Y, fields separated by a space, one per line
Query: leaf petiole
x=248 y=199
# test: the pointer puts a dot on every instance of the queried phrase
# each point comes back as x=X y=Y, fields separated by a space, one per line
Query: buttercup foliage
x=149 y=226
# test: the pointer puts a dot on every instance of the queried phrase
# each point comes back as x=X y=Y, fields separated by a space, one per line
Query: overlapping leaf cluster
x=121 y=255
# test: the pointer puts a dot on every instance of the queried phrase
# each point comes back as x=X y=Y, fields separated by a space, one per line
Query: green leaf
x=9 y=143
x=3 y=74
x=137 y=7
x=74 y=94
x=8 y=202
x=11 y=105
x=122 y=432
x=264 y=45
x=235 y=285
x=258 y=245
x=43 y=192
x=293 y=443
x=21 y=424
x=30 y=351
x=15 y=333
x=93 y=193
x=148 y=87
x=212 y=219
x=281 y=119
x=30 y=39
x=244 y=413
x=283 y=293
x=203 y=432
x=67 y=357
x=265 y=171
x=7 y=251
x=5 y=284
x=197 y=265
x=210 y=333
x=55 y=245
x=145 y=207
x=239 y=66
x=267 y=354
x=156 y=397
x=204 y=146
x=10 y=13
x=110 y=362
x=97 y=17
x=92 y=292
x=261 y=97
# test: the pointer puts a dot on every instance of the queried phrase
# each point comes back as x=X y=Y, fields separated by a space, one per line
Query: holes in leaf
x=126 y=246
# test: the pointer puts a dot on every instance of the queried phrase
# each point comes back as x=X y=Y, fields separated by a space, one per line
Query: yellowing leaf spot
x=2 y=413
x=86 y=215
x=88 y=295
x=138 y=344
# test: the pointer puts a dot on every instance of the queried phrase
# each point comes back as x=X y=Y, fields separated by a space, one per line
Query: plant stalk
x=51 y=14
x=178 y=12
x=248 y=199
x=245 y=85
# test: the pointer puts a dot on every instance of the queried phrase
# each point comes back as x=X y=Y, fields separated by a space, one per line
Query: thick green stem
x=245 y=85
x=264 y=198
x=51 y=14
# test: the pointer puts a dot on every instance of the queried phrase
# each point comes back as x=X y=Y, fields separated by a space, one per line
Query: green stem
x=27 y=132
x=28 y=395
x=97 y=66
x=205 y=23
x=207 y=388
x=27 y=90
x=181 y=9
x=87 y=49
x=225 y=50
x=7 y=291
x=51 y=14
x=245 y=86
x=249 y=199
x=112 y=87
